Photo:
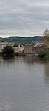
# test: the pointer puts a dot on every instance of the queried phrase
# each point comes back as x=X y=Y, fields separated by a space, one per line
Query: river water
x=24 y=84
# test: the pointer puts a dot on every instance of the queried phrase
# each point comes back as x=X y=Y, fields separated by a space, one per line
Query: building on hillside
x=18 y=48
x=10 y=44
x=2 y=45
x=37 y=47
x=27 y=48
x=33 y=48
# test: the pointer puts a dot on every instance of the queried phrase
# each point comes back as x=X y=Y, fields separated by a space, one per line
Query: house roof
x=39 y=45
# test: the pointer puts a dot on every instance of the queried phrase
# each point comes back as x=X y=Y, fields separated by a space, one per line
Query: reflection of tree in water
x=46 y=75
x=30 y=59
x=26 y=59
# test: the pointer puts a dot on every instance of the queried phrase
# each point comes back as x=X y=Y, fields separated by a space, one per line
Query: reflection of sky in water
x=23 y=85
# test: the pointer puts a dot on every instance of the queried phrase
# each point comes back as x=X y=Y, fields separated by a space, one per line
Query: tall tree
x=46 y=37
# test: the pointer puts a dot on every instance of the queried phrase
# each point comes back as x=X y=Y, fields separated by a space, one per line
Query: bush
x=42 y=54
x=8 y=51
x=47 y=55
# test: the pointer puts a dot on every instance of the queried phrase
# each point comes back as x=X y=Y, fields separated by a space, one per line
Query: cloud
x=24 y=17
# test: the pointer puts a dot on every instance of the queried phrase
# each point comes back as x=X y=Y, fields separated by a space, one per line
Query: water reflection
x=26 y=59
x=22 y=84
x=46 y=72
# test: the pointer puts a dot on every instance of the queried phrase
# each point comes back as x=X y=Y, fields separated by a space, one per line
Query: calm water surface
x=24 y=85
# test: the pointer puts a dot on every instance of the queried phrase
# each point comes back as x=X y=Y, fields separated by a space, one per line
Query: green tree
x=46 y=37
x=42 y=54
x=8 y=51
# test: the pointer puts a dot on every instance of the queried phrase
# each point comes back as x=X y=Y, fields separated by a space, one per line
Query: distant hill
x=22 y=39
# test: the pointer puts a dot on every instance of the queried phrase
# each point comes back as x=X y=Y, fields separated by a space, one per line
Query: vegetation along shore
x=38 y=45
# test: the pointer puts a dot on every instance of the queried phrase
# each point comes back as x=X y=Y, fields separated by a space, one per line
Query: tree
x=42 y=54
x=46 y=37
x=8 y=51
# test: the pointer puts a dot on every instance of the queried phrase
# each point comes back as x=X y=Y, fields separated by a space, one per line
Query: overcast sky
x=24 y=17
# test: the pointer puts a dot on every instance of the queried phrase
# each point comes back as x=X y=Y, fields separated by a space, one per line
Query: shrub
x=42 y=54
x=8 y=51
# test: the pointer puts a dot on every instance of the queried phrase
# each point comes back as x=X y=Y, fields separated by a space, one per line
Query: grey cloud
x=24 y=16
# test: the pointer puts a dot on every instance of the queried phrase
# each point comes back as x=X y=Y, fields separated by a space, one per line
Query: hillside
x=22 y=39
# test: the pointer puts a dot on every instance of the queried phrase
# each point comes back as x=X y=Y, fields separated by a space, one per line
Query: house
x=2 y=45
x=27 y=48
x=33 y=48
x=18 y=48
x=37 y=47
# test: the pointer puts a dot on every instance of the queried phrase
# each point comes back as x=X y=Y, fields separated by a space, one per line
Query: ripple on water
x=4 y=105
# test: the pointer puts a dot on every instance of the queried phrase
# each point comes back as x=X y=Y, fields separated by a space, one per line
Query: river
x=24 y=84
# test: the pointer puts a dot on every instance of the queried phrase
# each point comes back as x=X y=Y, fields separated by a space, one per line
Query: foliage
x=22 y=39
x=42 y=54
x=46 y=37
x=47 y=54
x=8 y=51
x=0 y=53
x=2 y=41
